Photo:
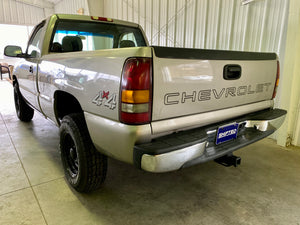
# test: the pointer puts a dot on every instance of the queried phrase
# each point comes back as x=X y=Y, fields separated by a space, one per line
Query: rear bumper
x=195 y=146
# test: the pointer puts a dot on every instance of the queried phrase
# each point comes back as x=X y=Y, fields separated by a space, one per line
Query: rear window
x=72 y=36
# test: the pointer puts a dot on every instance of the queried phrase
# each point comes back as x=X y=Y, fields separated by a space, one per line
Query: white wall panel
x=200 y=24
x=170 y=25
x=71 y=6
x=12 y=12
x=211 y=24
x=179 y=23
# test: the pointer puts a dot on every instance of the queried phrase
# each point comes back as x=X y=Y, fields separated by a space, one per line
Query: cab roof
x=94 y=19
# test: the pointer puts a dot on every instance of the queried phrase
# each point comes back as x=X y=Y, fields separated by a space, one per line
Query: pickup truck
x=158 y=108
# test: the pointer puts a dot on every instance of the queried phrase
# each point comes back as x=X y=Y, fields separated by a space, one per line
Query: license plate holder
x=226 y=133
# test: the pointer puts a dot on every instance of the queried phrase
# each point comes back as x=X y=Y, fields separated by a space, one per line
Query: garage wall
x=15 y=12
x=289 y=132
x=212 y=24
x=71 y=7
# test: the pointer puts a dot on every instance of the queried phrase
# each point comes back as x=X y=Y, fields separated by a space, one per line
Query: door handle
x=31 y=69
x=232 y=72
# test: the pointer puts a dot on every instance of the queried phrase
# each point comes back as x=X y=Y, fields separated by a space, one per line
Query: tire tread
x=95 y=163
x=25 y=112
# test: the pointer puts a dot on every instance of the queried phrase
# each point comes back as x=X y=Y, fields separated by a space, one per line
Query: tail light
x=277 y=80
x=136 y=91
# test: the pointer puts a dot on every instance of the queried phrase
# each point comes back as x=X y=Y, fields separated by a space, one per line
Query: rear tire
x=85 y=168
x=23 y=110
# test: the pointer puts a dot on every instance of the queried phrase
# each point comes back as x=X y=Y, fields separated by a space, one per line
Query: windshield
x=72 y=36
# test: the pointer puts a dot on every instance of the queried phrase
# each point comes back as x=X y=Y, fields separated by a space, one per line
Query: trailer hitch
x=229 y=160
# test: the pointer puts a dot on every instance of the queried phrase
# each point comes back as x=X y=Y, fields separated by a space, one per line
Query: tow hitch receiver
x=229 y=160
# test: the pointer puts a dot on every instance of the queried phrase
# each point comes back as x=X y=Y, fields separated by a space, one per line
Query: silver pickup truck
x=158 y=108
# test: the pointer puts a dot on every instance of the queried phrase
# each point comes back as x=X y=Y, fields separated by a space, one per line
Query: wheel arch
x=14 y=80
x=65 y=104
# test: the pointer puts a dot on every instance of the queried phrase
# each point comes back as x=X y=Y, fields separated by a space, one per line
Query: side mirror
x=13 y=51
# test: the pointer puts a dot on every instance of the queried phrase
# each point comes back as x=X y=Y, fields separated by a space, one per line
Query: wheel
x=85 y=168
x=24 y=111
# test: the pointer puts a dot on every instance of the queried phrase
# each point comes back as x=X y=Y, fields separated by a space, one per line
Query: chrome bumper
x=253 y=128
x=172 y=160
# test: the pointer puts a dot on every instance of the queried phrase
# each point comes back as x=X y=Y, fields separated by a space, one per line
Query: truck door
x=28 y=73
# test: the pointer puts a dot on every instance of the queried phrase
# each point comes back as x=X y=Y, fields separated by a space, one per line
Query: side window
x=34 y=46
x=127 y=40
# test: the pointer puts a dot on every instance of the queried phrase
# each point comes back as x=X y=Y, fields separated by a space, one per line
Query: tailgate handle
x=232 y=72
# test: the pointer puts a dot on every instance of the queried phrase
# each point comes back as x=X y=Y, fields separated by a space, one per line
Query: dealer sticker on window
x=227 y=133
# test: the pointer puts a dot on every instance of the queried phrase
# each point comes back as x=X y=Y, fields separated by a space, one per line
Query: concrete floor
x=263 y=190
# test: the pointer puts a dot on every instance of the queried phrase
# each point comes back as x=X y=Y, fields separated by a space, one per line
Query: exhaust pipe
x=229 y=160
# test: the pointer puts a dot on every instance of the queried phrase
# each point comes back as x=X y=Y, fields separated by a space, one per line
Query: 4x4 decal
x=104 y=98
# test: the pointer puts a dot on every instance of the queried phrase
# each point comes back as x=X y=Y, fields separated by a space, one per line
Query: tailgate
x=193 y=81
